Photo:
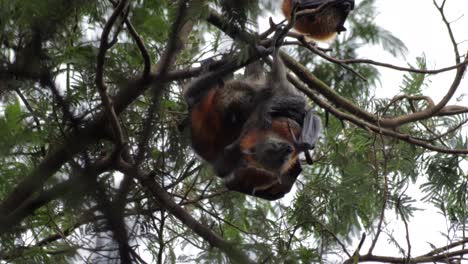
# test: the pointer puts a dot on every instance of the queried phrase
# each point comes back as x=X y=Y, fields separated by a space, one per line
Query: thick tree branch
x=368 y=126
x=307 y=77
x=166 y=201
x=426 y=259
x=8 y=222
x=54 y=160
x=26 y=208
x=114 y=217
x=139 y=42
x=399 y=68
x=77 y=141
x=441 y=250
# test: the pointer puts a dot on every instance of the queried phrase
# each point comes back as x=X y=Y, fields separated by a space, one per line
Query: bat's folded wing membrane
x=310 y=130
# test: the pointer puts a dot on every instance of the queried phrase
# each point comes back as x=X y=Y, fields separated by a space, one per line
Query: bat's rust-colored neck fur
x=279 y=132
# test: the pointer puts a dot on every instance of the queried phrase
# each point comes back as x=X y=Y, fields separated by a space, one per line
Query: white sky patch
x=419 y=25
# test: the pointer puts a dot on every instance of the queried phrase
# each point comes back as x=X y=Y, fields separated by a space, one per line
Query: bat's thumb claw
x=254 y=190
x=304 y=146
x=340 y=29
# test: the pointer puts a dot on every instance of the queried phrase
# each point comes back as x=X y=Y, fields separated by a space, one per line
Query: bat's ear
x=340 y=29
x=349 y=5
x=311 y=129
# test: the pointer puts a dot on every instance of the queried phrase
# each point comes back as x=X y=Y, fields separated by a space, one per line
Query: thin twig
x=365 y=125
x=449 y=29
x=322 y=54
x=102 y=89
x=141 y=45
x=385 y=197
x=399 y=68
x=408 y=243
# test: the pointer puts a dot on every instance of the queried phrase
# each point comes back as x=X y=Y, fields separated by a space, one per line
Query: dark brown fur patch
x=322 y=27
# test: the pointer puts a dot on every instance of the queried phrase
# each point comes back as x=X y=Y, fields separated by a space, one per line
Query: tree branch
x=139 y=42
x=102 y=89
x=365 y=125
x=165 y=200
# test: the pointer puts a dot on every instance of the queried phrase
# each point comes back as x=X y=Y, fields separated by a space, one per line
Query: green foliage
x=338 y=197
x=365 y=28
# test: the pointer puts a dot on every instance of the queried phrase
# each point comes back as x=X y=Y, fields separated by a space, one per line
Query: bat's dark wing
x=197 y=89
x=347 y=5
x=278 y=190
x=311 y=129
x=287 y=106
x=229 y=160
x=250 y=181
x=262 y=184
x=310 y=3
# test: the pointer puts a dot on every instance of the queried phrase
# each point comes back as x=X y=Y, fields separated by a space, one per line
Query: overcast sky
x=419 y=25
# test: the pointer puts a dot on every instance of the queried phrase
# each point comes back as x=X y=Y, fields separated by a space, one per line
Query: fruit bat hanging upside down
x=269 y=157
x=264 y=160
x=324 y=24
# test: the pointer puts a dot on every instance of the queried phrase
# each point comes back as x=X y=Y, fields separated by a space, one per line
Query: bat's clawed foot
x=280 y=34
x=304 y=146
x=254 y=190
x=308 y=157
x=263 y=51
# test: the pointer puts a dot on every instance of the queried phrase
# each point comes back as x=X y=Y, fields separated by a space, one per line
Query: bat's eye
x=285 y=149
x=250 y=151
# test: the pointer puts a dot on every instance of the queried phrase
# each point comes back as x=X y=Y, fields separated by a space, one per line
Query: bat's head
x=264 y=162
x=272 y=149
x=272 y=153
